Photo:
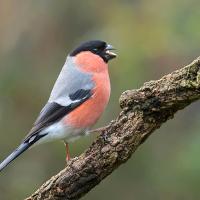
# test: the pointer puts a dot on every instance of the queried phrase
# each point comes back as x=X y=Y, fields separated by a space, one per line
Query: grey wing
x=70 y=80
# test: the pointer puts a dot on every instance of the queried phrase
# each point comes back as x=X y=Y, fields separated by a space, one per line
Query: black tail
x=20 y=149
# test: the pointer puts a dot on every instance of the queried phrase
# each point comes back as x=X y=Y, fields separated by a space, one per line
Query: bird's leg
x=67 y=152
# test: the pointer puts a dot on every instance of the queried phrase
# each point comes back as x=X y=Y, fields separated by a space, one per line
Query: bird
x=77 y=100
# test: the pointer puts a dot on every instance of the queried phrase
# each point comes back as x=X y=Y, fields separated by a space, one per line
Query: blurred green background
x=153 y=38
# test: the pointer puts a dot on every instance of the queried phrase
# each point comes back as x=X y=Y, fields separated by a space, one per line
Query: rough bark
x=143 y=111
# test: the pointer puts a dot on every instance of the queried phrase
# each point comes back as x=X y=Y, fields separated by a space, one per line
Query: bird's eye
x=95 y=49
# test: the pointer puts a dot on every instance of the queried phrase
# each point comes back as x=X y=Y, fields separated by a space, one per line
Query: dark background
x=153 y=38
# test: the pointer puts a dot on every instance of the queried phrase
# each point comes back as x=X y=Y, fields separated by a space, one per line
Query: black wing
x=53 y=112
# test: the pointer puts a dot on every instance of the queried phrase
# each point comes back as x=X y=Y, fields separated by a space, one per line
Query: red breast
x=89 y=112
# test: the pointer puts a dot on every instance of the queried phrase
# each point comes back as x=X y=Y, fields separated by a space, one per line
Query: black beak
x=109 y=54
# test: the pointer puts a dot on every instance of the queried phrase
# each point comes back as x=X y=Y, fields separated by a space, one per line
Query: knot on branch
x=172 y=91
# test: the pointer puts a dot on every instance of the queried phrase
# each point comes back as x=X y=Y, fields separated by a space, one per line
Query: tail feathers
x=23 y=147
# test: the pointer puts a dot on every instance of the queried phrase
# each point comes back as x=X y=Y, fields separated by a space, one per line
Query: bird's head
x=93 y=56
x=96 y=47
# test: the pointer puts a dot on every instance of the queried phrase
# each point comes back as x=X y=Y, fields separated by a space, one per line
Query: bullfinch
x=77 y=100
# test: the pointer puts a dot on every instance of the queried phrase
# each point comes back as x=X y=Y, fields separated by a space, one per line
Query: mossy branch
x=143 y=111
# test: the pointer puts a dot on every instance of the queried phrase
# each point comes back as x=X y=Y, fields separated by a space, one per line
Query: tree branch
x=143 y=111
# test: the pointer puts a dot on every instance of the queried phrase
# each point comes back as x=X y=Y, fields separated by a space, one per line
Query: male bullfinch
x=78 y=98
